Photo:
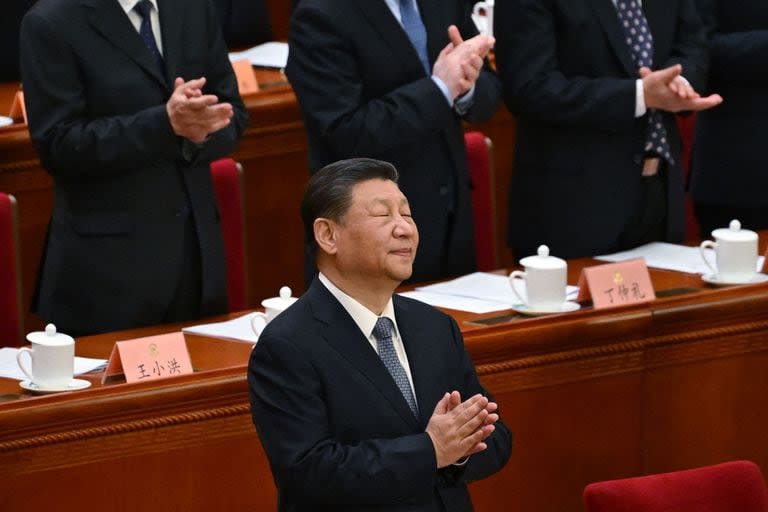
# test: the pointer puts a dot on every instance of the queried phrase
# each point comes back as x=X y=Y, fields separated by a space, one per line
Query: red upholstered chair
x=730 y=487
x=687 y=124
x=480 y=160
x=11 y=329
x=227 y=184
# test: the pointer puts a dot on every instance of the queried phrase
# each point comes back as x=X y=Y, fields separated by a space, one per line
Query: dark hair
x=329 y=191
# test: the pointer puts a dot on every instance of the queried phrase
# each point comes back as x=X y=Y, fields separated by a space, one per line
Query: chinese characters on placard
x=155 y=366
x=621 y=292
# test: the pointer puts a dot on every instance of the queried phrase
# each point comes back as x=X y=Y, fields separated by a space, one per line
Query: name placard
x=18 y=110
x=152 y=357
x=616 y=284
x=246 y=78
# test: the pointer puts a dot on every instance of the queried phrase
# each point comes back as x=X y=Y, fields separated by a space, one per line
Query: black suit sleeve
x=534 y=83
x=491 y=460
x=297 y=438
x=324 y=71
x=690 y=49
x=737 y=57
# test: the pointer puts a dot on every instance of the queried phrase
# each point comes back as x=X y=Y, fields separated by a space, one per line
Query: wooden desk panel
x=591 y=395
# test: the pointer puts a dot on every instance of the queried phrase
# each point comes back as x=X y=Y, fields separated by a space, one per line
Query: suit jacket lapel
x=382 y=21
x=109 y=19
x=420 y=359
x=609 y=19
x=172 y=29
x=655 y=13
x=342 y=333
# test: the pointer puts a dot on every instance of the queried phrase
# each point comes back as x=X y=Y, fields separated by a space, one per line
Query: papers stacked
x=9 y=368
x=267 y=55
x=670 y=257
x=238 y=329
x=479 y=292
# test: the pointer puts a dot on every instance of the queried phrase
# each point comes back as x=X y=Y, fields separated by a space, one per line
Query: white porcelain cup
x=484 y=10
x=272 y=307
x=735 y=253
x=545 y=279
x=51 y=358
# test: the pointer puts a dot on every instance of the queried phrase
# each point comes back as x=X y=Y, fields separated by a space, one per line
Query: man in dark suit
x=384 y=79
x=128 y=103
x=730 y=161
x=597 y=160
x=364 y=400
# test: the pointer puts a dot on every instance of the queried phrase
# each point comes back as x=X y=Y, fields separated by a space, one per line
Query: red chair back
x=730 y=487
x=11 y=330
x=227 y=185
x=480 y=162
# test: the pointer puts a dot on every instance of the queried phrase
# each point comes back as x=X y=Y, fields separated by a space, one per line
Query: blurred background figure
x=10 y=22
x=244 y=23
x=597 y=160
x=730 y=160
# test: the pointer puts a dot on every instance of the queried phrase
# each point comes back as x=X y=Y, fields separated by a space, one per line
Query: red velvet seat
x=730 y=487
x=227 y=184
x=11 y=329
x=480 y=161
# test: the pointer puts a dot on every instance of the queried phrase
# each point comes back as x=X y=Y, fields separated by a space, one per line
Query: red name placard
x=152 y=357
x=616 y=284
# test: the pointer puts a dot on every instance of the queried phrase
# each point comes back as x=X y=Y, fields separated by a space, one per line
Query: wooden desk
x=274 y=156
x=590 y=395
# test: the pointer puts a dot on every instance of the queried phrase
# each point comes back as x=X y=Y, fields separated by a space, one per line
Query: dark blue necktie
x=414 y=27
x=382 y=331
x=640 y=42
x=144 y=8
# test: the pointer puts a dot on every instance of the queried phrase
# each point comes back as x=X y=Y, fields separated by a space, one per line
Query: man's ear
x=325 y=235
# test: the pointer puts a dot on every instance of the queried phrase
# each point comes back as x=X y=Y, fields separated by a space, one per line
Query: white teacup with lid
x=735 y=253
x=545 y=281
x=52 y=358
x=482 y=14
x=273 y=306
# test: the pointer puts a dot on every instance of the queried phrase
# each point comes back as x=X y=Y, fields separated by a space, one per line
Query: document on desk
x=238 y=329
x=268 y=55
x=9 y=368
x=479 y=292
x=668 y=256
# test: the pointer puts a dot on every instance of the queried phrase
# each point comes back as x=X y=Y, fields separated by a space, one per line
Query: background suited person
x=134 y=237
x=376 y=79
x=357 y=394
x=597 y=154
x=9 y=40
x=730 y=163
x=244 y=22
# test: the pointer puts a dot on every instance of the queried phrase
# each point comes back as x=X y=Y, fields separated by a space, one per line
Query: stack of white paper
x=670 y=257
x=267 y=55
x=479 y=292
x=236 y=329
x=9 y=368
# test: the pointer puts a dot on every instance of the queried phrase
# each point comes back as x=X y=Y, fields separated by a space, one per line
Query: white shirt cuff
x=640 y=108
x=444 y=89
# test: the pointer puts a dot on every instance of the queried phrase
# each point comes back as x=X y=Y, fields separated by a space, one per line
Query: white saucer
x=567 y=307
x=74 y=385
x=715 y=280
x=5 y=121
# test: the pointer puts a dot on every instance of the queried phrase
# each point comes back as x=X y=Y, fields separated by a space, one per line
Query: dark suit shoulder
x=425 y=312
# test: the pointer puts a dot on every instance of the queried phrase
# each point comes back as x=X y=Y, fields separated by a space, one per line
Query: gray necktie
x=382 y=331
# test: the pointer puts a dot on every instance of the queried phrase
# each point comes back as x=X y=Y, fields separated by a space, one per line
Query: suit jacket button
x=443 y=190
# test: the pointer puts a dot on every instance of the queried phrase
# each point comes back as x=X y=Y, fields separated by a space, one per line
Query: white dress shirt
x=366 y=321
x=135 y=18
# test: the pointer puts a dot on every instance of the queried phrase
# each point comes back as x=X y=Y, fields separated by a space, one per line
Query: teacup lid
x=282 y=302
x=734 y=233
x=543 y=260
x=50 y=337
